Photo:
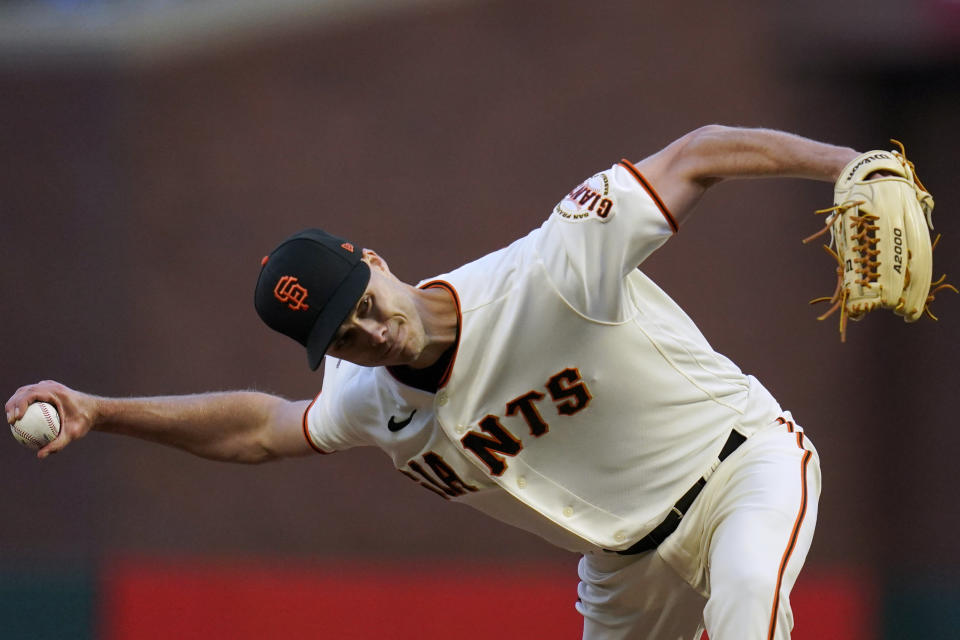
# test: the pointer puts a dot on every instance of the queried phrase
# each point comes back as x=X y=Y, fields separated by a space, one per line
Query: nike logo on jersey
x=395 y=425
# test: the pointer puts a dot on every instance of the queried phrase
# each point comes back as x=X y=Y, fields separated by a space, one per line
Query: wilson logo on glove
x=880 y=227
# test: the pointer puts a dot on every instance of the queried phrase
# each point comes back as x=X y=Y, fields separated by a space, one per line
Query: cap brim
x=334 y=312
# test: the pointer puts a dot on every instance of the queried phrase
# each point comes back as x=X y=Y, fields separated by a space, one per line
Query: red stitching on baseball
x=26 y=436
x=46 y=414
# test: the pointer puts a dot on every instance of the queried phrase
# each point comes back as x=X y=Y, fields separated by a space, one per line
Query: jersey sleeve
x=616 y=213
x=600 y=233
x=326 y=423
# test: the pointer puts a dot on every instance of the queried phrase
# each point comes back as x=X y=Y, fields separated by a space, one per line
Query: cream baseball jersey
x=581 y=402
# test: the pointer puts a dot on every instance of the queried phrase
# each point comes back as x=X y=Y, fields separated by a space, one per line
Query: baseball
x=39 y=425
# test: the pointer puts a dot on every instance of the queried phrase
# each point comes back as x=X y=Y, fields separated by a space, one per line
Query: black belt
x=672 y=521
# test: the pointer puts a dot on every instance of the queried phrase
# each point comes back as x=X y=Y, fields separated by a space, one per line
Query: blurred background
x=151 y=151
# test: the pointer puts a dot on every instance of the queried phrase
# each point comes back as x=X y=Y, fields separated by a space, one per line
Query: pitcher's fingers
x=54 y=445
x=20 y=400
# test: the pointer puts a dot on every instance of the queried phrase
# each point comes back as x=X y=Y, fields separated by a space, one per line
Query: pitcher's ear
x=373 y=259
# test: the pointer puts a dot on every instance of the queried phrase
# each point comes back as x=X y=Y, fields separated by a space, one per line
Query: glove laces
x=867 y=269
x=864 y=243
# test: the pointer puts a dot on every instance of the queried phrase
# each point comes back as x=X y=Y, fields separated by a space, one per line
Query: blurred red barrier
x=147 y=600
x=255 y=599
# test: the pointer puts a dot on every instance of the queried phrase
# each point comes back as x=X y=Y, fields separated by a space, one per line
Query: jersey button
x=568 y=511
x=522 y=482
x=442 y=398
x=619 y=536
x=460 y=429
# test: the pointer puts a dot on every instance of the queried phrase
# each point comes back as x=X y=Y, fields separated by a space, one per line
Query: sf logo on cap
x=288 y=290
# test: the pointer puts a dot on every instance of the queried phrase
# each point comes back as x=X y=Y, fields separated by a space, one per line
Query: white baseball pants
x=730 y=566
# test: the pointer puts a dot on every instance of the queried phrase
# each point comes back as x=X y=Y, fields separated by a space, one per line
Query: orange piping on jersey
x=793 y=536
x=626 y=164
x=456 y=299
x=306 y=432
x=789 y=424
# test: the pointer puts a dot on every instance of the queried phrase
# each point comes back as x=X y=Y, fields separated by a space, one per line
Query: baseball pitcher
x=555 y=387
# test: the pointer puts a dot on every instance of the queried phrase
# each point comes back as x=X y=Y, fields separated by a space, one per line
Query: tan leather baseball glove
x=880 y=225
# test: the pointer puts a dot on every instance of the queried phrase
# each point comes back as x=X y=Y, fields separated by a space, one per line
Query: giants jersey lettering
x=565 y=387
x=579 y=388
